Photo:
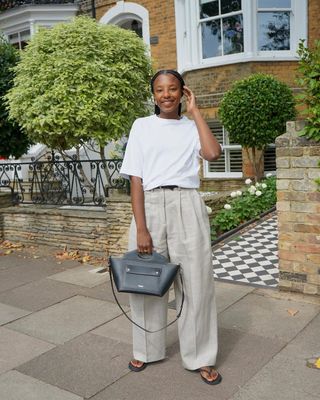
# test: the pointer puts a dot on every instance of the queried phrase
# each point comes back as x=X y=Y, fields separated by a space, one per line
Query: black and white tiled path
x=251 y=257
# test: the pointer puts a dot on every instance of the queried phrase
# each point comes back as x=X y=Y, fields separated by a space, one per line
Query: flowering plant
x=245 y=205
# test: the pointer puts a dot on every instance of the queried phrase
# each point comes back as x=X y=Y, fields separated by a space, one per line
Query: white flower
x=209 y=210
x=258 y=193
x=233 y=194
x=252 y=188
x=227 y=206
x=239 y=193
x=258 y=184
x=268 y=175
x=248 y=181
x=263 y=185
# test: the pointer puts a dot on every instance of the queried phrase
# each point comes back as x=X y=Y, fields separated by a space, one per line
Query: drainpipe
x=93 y=9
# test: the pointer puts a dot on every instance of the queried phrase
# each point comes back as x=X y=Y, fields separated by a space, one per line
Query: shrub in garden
x=79 y=81
x=254 y=112
x=13 y=141
x=309 y=79
x=245 y=205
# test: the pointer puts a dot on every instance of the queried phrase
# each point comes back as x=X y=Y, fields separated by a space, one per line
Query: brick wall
x=98 y=231
x=298 y=211
x=161 y=23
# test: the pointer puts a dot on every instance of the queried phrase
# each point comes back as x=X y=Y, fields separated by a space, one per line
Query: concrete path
x=63 y=338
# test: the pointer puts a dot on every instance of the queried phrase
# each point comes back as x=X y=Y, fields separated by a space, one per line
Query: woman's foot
x=137 y=366
x=210 y=376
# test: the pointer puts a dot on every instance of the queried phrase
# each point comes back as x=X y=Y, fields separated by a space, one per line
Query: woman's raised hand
x=190 y=100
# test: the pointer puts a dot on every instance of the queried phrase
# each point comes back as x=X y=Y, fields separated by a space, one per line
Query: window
x=230 y=162
x=132 y=25
x=19 y=39
x=131 y=16
x=221 y=29
x=274 y=25
x=218 y=32
x=229 y=165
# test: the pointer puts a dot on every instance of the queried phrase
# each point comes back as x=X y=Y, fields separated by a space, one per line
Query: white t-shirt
x=163 y=152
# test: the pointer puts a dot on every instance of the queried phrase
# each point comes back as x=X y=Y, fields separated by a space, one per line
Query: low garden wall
x=298 y=211
x=96 y=230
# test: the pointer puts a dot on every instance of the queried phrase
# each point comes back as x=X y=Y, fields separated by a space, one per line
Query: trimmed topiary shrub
x=255 y=111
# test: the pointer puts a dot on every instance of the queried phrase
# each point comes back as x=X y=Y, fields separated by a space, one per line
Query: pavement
x=62 y=337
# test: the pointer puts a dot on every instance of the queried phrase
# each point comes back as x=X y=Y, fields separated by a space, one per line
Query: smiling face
x=167 y=92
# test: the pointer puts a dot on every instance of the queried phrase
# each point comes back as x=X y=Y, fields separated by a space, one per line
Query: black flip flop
x=214 y=382
x=136 y=369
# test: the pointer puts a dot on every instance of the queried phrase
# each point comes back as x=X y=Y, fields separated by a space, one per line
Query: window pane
x=219 y=165
x=209 y=8
x=270 y=158
x=274 y=3
x=132 y=25
x=211 y=39
x=274 y=30
x=232 y=35
x=235 y=160
x=228 y=6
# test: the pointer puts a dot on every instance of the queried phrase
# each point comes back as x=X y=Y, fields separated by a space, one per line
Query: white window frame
x=226 y=149
x=123 y=11
x=189 y=40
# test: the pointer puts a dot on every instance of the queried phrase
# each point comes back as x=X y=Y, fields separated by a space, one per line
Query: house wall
x=162 y=26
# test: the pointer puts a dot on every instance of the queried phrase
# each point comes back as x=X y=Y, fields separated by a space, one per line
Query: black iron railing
x=58 y=181
x=7 y=4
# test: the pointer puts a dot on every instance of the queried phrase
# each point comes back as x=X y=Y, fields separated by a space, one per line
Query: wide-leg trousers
x=179 y=226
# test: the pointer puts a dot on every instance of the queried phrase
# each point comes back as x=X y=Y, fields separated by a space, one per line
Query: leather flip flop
x=137 y=369
x=209 y=382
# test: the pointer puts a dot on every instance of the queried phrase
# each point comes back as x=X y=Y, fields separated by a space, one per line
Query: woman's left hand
x=190 y=100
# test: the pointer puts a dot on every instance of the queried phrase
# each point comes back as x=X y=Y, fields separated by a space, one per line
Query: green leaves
x=256 y=109
x=309 y=79
x=78 y=81
x=248 y=205
x=13 y=141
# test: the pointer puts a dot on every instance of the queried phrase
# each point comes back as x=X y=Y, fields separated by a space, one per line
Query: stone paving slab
x=307 y=343
x=121 y=329
x=267 y=316
x=84 y=275
x=16 y=386
x=242 y=355
x=9 y=313
x=85 y=365
x=283 y=378
x=227 y=294
x=66 y=320
x=17 y=348
x=104 y=292
x=40 y=294
x=26 y=272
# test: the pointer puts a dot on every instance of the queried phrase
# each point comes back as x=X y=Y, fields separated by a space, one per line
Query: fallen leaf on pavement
x=313 y=363
x=292 y=312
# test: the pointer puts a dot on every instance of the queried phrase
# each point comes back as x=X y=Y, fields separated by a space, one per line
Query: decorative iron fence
x=7 y=4
x=58 y=181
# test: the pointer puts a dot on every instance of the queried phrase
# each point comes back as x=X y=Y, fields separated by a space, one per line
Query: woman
x=162 y=162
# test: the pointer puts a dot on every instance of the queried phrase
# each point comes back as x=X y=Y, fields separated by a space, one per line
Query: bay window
x=218 y=32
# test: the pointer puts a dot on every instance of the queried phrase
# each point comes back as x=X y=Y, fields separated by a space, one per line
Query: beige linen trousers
x=179 y=226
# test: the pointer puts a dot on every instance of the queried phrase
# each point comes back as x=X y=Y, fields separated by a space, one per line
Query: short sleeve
x=133 y=160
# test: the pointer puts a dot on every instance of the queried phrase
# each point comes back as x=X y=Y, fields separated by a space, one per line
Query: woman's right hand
x=144 y=242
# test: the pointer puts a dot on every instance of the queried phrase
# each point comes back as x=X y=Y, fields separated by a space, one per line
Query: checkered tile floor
x=250 y=257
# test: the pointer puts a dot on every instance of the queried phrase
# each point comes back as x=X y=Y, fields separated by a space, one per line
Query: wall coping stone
x=291 y=137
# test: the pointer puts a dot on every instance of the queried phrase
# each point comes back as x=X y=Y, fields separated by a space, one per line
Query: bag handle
x=134 y=323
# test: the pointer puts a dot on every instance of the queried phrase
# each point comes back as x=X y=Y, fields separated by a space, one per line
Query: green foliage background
x=13 y=142
x=309 y=79
x=256 y=109
x=78 y=81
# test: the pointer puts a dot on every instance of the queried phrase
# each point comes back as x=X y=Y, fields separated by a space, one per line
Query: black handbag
x=148 y=274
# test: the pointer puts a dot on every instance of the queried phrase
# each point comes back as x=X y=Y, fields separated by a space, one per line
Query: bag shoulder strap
x=134 y=323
